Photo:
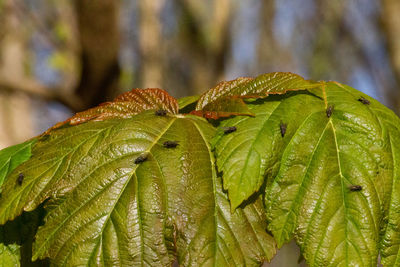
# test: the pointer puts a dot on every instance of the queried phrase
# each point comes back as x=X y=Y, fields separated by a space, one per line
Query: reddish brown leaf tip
x=124 y=106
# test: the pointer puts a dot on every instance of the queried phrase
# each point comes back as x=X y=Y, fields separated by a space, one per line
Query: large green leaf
x=320 y=165
x=108 y=207
x=255 y=148
x=331 y=176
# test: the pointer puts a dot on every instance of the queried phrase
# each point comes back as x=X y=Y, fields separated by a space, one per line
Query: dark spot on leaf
x=230 y=129
x=354 y=188
x=141 y=159
x=161 y=112
x=364 y=101
x=283 y=127
x=20 y=178
x=170 y=144
x=329 y=111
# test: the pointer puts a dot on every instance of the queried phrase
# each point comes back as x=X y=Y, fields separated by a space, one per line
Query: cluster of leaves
x=220 y=179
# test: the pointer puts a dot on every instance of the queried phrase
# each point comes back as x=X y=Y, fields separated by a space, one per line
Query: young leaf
x=225 y=99
x=125 y=106
x=105 y=209
x=224 y=107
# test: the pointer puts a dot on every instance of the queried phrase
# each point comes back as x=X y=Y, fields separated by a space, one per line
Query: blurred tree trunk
x=271 y=55
x=204 y=39
x=266 y=49
x=391 y=27
x=98 y=26
x=150 y=43
x=15 y=125
x=328 y=28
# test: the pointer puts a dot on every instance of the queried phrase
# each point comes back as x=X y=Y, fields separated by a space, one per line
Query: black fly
x=161 y=112
x=141 y=158
x=20 y=178
x=283 y=127
x=230 y=129
x=329 y=111
x=355 y=188
x=364 y=101
x=170 y=144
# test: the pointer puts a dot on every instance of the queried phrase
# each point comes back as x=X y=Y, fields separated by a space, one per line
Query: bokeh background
x=58 y=57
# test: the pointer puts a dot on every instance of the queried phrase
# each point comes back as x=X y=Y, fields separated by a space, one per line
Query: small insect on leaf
x=364 y=101
x=141 y=158
x=20 y=178
x=161 y=112
x=231 y=129
x=170 y=144
x=329 y=111
x=354 y=188
x=283 y=127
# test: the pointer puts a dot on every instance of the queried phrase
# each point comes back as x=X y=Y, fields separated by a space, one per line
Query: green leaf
x=254 y=149
x=9 y=255
x=233 y=106
x=311 y=197
x=106 y=210
x=10 y=158
x=332 y=182
x=187 y=101
x=320 y=165
x=13 y=156
x=225 y=99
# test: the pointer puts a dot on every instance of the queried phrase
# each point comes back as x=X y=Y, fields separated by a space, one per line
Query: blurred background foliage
x=58 y=57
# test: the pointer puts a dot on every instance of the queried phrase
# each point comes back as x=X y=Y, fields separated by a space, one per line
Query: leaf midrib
x=117 y=199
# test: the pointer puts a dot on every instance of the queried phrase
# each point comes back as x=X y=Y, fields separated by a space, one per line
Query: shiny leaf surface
x=13 y=156
x=9 y=255
x=330 y=169
x=119 y=197
x=225 y=99
x=126 y=105
x=10 y=158
x=318 y=161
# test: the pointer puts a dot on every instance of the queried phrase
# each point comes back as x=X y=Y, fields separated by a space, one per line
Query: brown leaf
x=124 y=106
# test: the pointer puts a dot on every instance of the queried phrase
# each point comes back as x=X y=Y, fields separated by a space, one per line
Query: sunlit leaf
x=13 y=156
x=320 y=164
x=9 y=255
x=225 y=99
x=330 y=168
x=233 y=106
x=107 y=207
x=10 y=234
x=125 y=106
